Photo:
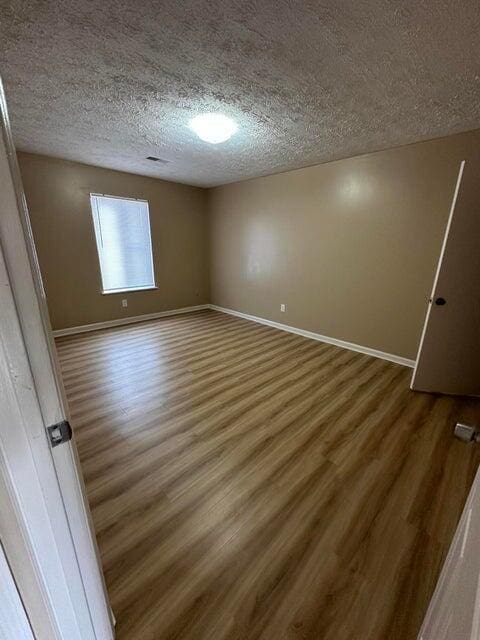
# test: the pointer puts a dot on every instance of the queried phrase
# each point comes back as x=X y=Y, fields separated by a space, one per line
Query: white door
x=69 y=572
x=454 y=610
x=448 y=359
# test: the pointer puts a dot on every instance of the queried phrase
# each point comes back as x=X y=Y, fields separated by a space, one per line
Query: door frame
x=48 y=534
x=29 y=528
x=13 y=618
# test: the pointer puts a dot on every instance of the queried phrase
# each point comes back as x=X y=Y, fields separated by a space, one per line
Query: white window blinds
x=122 y=232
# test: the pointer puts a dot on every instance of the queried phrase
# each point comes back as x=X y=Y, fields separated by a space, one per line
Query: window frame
x=94 y=212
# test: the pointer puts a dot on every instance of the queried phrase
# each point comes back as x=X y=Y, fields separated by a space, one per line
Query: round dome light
x=213 y=127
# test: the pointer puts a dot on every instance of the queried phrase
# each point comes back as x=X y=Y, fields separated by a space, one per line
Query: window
x=122 y=232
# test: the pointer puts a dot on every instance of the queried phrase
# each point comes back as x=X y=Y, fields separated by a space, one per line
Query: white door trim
x=70 y=571
x=14 y=623
x=31 y=490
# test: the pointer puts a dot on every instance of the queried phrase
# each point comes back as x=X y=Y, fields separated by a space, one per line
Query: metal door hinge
x=59 y=433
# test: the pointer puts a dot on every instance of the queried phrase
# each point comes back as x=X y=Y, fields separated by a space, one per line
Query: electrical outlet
x=283 y=308
x=124 y=303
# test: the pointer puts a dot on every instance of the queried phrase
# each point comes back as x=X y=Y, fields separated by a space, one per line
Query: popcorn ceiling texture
x=110 y=82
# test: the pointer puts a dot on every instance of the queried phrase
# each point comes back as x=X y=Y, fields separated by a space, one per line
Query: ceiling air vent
x=161 y=160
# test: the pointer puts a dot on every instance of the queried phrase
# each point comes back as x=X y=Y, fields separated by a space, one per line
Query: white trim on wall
x=95 y=326
x=406 y=362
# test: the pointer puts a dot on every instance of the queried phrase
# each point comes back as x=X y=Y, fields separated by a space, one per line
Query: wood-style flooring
x=247 y=483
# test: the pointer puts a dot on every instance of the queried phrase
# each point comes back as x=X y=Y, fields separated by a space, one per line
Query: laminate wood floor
x=247 y=483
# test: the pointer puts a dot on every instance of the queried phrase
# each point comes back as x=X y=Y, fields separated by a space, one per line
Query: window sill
x=110 y=293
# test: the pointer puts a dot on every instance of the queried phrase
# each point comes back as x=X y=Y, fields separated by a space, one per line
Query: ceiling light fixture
x=213 y=127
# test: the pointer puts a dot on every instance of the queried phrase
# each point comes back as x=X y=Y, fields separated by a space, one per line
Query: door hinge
x=59 y=433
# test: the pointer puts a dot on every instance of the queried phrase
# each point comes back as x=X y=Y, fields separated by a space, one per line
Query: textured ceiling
x=110 y=82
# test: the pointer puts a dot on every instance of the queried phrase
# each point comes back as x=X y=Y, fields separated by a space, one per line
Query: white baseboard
x=277 y=325
x=316 y=336
x=95 y=326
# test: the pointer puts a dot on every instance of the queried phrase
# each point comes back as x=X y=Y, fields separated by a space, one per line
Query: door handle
x=440 y=301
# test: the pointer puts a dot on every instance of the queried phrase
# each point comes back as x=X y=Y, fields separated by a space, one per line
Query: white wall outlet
x=283 y=308
x=124 y=303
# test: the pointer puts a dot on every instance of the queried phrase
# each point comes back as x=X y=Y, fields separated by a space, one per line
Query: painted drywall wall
x=350 y=247
x=58 y=198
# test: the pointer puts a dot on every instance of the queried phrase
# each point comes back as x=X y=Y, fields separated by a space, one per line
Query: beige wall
x=57 y=195
x=350 y=247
